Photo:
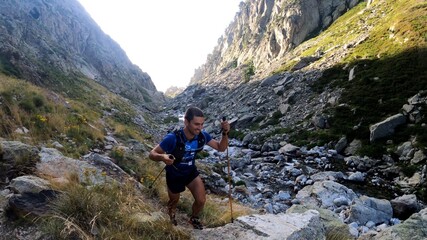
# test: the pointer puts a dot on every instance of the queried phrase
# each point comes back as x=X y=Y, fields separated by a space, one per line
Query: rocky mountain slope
x=265 y=31
x=56 y=43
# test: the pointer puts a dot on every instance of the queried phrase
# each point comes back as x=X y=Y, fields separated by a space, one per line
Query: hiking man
x=178 y=151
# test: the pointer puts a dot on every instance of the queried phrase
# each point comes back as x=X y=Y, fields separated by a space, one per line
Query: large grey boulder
x=413 y=228
x=404 y=206
x=323 y=194
x=292 y=226
x=367 y=209
x=333 y=224
x=56 y=166
x=17 y=158
x=386 y=128
x=28 y=183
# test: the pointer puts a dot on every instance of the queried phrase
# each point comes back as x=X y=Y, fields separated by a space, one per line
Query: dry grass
x=107 y=212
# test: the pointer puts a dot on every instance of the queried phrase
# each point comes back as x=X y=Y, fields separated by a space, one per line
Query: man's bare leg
x=197 y=188
x=172 y=203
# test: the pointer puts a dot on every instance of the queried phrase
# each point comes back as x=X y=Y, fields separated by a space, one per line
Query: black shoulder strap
x=179 y=150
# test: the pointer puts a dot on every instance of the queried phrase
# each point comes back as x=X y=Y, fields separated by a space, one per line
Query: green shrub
x=234 y=133
x=249 y=71
x=202 y=154
x=171 y=119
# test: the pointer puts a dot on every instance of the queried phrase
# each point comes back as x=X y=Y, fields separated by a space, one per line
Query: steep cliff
x=54 y=43
x=264 y=31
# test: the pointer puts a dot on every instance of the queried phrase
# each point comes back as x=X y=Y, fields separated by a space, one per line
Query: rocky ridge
x=264 y=32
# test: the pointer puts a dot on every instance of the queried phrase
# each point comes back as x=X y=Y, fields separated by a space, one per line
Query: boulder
x=353 y=147
x=412 y=228
x=17 y=159
x=333 y=225
x=28 y=183
x=323 y=194
x=290 y=226
x=367 y=209
x=56 y=166
x=386 y=127
x=404 y=206
x=30 y=203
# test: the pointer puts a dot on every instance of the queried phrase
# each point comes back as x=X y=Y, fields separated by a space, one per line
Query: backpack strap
x=179 y=150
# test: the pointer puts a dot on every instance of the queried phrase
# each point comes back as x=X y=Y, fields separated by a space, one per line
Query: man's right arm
x=157 y=154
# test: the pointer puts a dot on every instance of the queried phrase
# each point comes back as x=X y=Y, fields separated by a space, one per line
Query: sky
x=168 y=39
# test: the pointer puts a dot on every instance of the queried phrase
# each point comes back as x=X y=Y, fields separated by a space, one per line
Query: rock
x=367 y=209
x=22 y=130
x=419 y=157
x=405 y=150
x=322 y=194
x=247 y=139
x=333 y=225
x=305 y=225
x=284 y=108
x=354 y=146
x=411 y=228
x=341 y=201
x=320 y=121
x=16 y=159
x=28 y=183
x=411 y=182
x=341 y=144
x=386 y=127
x=288 y=148
x=357 y=177
x=270 y=80
x=55 y=165
x=57 y=145
x=110 y=139
x=404 y=206
x=36 y=204
x=328 y=175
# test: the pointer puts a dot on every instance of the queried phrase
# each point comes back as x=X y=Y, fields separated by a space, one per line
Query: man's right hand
x=168 y=159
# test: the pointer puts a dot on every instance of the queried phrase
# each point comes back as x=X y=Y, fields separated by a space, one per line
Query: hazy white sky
x=168 y=39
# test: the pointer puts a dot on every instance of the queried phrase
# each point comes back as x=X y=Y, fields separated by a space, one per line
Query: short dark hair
x=193 y=112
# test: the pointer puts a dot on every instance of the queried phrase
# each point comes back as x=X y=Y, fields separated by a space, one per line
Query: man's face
x=195 y=126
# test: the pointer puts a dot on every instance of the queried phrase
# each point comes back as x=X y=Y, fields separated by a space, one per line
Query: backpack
x=179 y=150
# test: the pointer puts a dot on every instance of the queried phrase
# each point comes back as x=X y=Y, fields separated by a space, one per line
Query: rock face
x=46 y=42
x=265 y=30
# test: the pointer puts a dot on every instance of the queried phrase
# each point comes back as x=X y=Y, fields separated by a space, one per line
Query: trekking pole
x=158 y=175
x=229 y=183
x=156 y=178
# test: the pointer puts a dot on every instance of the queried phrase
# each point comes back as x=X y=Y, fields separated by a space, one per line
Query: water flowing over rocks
x=275 y=179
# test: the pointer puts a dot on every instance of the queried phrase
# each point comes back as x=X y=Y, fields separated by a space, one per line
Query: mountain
x=265 y=31
x=56 y=44
x=326 y=73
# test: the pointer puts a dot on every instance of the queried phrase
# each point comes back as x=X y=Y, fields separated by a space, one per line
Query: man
x=178 y=151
